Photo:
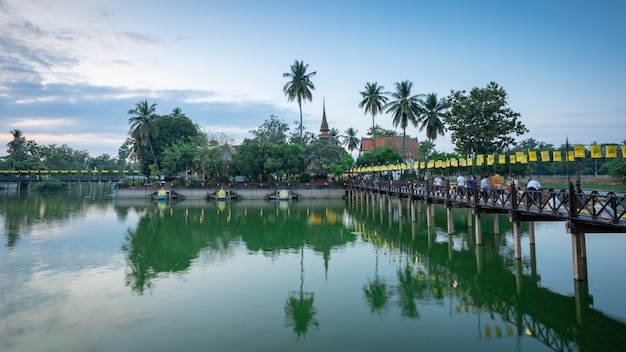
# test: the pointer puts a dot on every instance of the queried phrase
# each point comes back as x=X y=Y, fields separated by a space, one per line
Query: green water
x=83 y=272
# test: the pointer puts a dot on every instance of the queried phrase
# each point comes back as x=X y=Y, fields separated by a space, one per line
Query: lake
x=80 y=271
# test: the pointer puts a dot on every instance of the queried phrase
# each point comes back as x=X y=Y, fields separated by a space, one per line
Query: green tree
x=299 y=87
x=179 y=158
x=17 y=146
x=272 y=130
x=433 y=113
x=177 y=112
x=142 y=127
x=481 y=121
x=381 y=132
x=404 y=109
x=373 y=102
x=350 y=140
x=320 y=155
x=334 y=136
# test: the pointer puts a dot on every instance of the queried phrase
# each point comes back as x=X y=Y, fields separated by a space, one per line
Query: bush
x=50 y=184
x=176 y=182
x=193 y=183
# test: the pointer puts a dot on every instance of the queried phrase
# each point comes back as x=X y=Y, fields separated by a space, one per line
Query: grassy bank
x=598 y=184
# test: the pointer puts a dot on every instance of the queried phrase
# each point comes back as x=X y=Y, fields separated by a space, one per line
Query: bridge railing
x=560 y=203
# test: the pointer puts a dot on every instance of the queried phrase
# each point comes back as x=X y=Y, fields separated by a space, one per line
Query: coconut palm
x=142 y=127
x=17 y=146
x=433 y=112
x=350 y=140
x=334 y=135
x=404 y=109
x=299 y=87
x=374 y=100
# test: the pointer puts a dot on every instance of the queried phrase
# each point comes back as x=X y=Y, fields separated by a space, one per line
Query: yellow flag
x=422 y=164
x=454 y=162
x=470 y=162
x=624 y=151
x=545 y=156
x=502 y=159
x=556 y=155
x=571 y=155
x=532 y=155
x=490 y=159
x=480 y=159
x=462 y=162
x=431 y=164
x=611 y=151
x=522 y=159
x=512 y=159
x=579 y=151
x=519 y=155
x=596 y=151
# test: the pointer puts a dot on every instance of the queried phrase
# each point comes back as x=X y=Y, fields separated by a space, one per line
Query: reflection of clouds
x=81 y=303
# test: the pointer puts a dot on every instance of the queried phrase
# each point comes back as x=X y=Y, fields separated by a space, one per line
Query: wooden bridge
x=582 y=212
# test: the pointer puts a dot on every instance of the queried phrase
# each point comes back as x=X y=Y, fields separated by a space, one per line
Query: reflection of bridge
x=584 y=212
x=563 y=323
x=29 y=176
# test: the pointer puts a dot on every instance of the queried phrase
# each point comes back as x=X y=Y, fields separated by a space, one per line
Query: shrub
x=176 y=182
x=193 y=183
x=50 y=184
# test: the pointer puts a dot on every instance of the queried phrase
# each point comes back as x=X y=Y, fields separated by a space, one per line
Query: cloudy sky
x=71 y=69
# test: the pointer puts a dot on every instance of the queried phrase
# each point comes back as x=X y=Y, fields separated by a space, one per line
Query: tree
x=433 y=112
x=481 y=121
x=272 y=130
x=381 y=132
x=320 y=155
x=299 y=87
x=404 y=109
x=142 y=127
x=334 y=136
x=374 y=100
x=177 y=112
x=350 y=140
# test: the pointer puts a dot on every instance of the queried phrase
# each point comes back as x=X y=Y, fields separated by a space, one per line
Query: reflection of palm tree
x=299 y=306
x=376 y=292
x=408 y=292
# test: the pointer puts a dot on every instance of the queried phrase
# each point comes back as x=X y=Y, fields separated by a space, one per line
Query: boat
x=222 y=194
x=283 y=194
x=164 y=194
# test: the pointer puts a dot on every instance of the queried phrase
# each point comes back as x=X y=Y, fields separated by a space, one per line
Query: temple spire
x=324 y=130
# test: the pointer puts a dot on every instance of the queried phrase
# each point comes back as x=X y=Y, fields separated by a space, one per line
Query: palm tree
x=17 y=146
x=374 y=100
x=142 y=127
x=334 y=135
x=299 y=87
x=404 y=109
x=433 y=111
x=350 y=140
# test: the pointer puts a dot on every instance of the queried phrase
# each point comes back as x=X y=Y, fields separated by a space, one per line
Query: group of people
x=489 y=182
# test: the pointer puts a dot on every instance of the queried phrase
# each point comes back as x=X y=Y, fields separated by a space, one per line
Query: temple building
x=324 y=130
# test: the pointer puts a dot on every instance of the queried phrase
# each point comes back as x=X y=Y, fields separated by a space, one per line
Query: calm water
x=81 y=272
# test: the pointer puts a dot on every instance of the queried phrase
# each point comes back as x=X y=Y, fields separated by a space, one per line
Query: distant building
x=395 y=143
x=324 y=130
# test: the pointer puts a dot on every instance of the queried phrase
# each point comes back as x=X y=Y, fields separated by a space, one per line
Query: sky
x=71 y=69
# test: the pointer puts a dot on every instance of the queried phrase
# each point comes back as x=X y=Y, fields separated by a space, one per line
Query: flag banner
x=532 y=155
x=556 y=155
x=448 y=163
x=480 y=159
x=470 y=162
x=571 y=155
x=422 y=164
x=545 y=156
x=462 y=162
x=502 y=159
x=519 y=155
x=624 y=151
x=611 y=151
x=454 y=162
x=596 y=151
x=490 y=159
x=431 y=164
x=579 y=151
x=512 y=159
x=522 y=159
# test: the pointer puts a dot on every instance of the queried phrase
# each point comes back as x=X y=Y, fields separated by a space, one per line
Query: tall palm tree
x=17 y=146
x=404 y=109
x=299 y=87
x=433 y=112
x=350 y=140
x=142 y=127
x=374 y=100
x=334 y=135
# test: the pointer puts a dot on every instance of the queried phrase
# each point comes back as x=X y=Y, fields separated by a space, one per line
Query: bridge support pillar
x=581 y=296
x=412 y=207
x=399 y=206
x=531 y=232
x=450 y=222
x=579 y=254
x=389 y=205
x=429 y=215
x=381 y=202
x=518 y=276
x=517 y=238
x=479 y=236
x=469 y=217
x=496 y=224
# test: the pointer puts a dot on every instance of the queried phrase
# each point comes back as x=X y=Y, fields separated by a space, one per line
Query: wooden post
x=496 y=224
x=469 y=217
x=479 y=238
x=449 y=216
x=579 y=254
x=399 y=206
x=517 y=239
x=531 y=232
x=412 y=207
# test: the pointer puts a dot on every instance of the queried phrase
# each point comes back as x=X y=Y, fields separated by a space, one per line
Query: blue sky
x=71 y=69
